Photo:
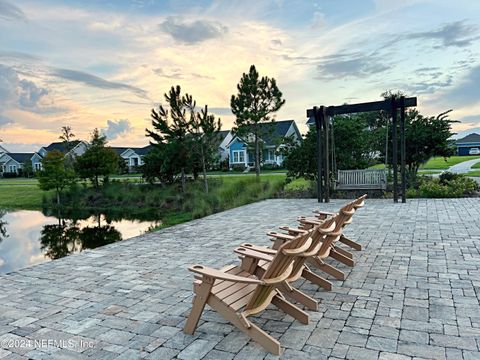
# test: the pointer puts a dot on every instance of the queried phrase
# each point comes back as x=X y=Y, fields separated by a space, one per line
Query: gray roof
x=470 y=138
x=61 y=146
x=138 y=150
x=271 y=131
x=20 y=157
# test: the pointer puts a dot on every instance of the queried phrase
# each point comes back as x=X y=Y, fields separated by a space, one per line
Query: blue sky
x=105 y=64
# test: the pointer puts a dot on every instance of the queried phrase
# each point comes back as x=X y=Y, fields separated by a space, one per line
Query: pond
x=32 y=237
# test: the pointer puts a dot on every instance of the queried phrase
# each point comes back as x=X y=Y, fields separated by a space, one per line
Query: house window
x=38 y=166
x=12 y=168
x=238 y=156
x=270 y=155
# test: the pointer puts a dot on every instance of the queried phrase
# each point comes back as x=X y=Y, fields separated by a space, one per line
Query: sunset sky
x=105 y=64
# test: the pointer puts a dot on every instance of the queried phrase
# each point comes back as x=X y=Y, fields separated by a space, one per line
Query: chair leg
x=299 y=296
x=351 y=243
x=201 y=297
x=329 y=269
x=291 y=309
x=316 y=279
x=253 y=331
x=344 y=252
x=343 y=259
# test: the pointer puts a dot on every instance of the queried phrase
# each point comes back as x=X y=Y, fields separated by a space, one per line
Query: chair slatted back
x=278 y=270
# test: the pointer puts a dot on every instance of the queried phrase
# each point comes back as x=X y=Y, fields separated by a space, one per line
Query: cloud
x=349 y=66
x=220 y=110
x=192 y=32
x=467 y=92
x=116 y=128
x=96 y=81
x=11 y=12
x=457 y=34
x=429 y=86
x=8 y=84
x=30 y=94
x=178 y=74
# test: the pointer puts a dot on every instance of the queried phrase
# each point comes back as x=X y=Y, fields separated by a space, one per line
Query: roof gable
x=21 y=157
x=470 y=138
x=61 y=146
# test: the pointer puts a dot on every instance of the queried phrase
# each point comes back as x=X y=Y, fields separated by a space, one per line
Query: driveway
x=463 y=167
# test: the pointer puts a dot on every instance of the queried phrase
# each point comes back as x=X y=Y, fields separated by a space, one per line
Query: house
x=133 y=156
x=223 y=139
x=272 y=134
x=14 y=162
x=78 y=147
x=2 y=150
x=466 y=144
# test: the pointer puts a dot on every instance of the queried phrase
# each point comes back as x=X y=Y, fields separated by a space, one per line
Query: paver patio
x=413 y=293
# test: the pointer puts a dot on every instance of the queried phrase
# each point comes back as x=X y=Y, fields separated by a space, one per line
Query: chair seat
x=235 y=295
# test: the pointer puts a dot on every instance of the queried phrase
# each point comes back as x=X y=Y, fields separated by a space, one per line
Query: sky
x=105 y=64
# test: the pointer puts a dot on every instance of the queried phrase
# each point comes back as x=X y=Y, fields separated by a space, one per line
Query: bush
x=238 y=167
x=270 y=167
x=448 y=185
x=10 y=175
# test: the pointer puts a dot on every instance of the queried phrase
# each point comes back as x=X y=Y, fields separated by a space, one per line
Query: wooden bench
x=361 y=180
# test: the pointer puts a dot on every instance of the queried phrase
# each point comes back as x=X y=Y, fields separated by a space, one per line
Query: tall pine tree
x=257 y=100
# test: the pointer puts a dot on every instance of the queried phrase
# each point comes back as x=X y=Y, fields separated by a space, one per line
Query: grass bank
x=147 y=201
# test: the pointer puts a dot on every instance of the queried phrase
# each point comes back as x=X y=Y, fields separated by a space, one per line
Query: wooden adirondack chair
x=256 y=259
x=322 y=240
x=337 y=252
x=236 y=294
x=357 y=203
x=333 y=252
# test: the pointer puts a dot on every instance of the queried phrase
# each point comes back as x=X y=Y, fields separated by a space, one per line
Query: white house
x=271 y=141
x=14 y=162
x=133 y=156
x=78 y=147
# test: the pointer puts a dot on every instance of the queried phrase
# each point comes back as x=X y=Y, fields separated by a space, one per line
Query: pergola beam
x=320 y=117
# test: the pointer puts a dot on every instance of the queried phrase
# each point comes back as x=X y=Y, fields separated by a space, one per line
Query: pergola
x=322 y=115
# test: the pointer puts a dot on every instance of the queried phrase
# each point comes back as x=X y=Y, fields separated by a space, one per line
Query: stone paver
x=414 y=292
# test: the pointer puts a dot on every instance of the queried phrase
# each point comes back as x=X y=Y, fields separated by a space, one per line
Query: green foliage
x=55 y=175
x=184 y=140
x=353 y=141
x=447 y=185
x=167 y=202
x=257 y=99
x=301 y=160
x=27 y=168
x=97 y=161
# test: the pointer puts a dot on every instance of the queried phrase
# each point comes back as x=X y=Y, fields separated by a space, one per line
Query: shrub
x=270 y=167
x=448 y=185
x=238 y=167
x=10 y=175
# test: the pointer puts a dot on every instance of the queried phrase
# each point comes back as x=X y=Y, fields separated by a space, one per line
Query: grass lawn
x=377 y=167
x=20 y=194
x=474 y=173
x=440 y=163
x=476 y=166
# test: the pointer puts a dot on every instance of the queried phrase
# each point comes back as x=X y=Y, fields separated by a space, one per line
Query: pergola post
x=394 y=149
x=326 y=142
x=318 y=126
x=402 y=149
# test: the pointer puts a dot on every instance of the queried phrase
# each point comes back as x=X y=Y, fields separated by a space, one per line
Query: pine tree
x=256 y=101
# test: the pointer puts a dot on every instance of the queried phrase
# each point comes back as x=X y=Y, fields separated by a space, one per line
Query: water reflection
x=3 y=229
x=30 y=237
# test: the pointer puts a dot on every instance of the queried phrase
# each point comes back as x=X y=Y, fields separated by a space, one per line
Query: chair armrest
x=280 y=236
x=311 y=221
x=259 y=249
x=328 y=213
x=253 y=254
x=293 y=230
x=220 y=275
